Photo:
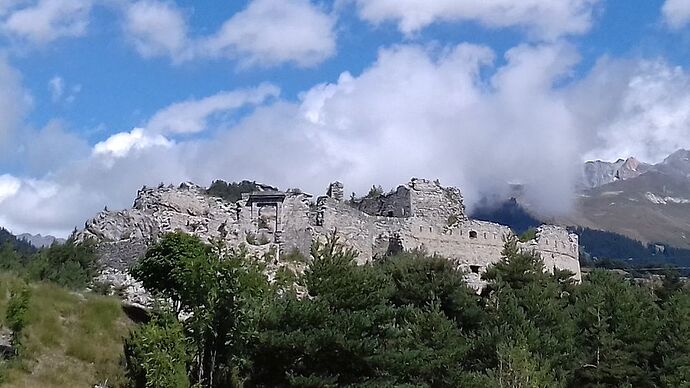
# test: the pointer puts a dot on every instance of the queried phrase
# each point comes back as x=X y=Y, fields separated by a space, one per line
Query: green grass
x=71 y=340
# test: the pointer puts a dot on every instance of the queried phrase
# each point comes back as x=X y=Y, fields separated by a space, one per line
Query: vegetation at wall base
x=407 y=319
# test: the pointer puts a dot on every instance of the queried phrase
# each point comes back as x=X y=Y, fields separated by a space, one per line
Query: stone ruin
x=421 y=214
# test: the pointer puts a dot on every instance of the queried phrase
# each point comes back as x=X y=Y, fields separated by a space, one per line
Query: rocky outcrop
x=420 y=214
x=677 y=164
x=598 y=173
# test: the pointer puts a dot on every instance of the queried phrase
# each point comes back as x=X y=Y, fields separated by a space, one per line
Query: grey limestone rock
x=420 y=214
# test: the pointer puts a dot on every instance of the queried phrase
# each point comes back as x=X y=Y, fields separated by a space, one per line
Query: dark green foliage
x=174 y=268
x=231 y=192
x=528 y=235
x=409 y=320
x=16 y=315
x=218 y=290
x=155 y=354
x=607 y=245
x=672 y=353
x=375 y=192
x=617 y=324
x=20 y=246
x=420 y=280
x=71 y=265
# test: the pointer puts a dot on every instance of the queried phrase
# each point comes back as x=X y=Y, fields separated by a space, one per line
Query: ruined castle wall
x=558 y=248
x=367 y=234
x=474 y=243
x=435 y=221
x=394 y=204
x=296 y=228
x=435 y=204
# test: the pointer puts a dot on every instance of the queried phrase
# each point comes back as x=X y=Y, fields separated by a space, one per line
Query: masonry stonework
x=421 y=214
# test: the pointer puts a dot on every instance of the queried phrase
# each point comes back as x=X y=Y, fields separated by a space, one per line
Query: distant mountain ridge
x=39 y=241
x=598 y=173
x=649 y=203
x=17 y=244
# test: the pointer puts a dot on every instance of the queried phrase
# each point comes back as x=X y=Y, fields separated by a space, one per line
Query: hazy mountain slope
x=653 y=207
x=39 y=241
x=598 y=173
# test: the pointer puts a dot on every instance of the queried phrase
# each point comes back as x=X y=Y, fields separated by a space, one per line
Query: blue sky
x=101 y=97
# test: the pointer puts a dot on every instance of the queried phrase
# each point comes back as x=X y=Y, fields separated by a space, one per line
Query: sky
x=101 y=97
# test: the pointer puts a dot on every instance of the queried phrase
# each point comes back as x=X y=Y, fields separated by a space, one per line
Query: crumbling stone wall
x=558 y=248
x=425 y=215
x=438 y=225
x=394 y=204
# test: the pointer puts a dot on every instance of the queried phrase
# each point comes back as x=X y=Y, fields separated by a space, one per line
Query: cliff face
x=598 y=173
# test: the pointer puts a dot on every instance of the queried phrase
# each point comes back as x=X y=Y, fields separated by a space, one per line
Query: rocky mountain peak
x=598 y=173
x=678 y=164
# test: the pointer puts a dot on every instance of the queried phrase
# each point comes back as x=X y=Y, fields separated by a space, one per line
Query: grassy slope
x=71 y=340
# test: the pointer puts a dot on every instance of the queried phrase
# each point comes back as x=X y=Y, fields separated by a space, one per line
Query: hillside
x=653 y=207
x=594 y=243
x=15 y=243
x=72 y=340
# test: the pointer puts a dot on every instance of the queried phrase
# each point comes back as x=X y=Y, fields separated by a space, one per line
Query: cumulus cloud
x=676 y=13
x=642 y=109
x=121 y=144
x=270 y=32
x=157 y=28
x=546 y=19
x=267 y=33
x=449 y=113
x=192 y=116
x=44 y=21
x=9 y=186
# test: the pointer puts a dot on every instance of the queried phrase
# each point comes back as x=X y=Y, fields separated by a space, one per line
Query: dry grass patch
x=71 y=340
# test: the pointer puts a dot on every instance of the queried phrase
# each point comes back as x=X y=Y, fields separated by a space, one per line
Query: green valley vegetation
x=407 y=319
x=71 y=264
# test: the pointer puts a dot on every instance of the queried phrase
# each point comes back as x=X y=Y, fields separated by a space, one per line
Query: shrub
x=17 y=308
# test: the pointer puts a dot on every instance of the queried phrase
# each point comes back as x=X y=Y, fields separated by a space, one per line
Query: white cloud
x=270 y=32
x=47 y=20
x=544 y=18
x=57 y=88
x=60 y=92
x=642 y=109
x=157 y=28
x=9 y=186
x=192 y=116
x=450 y=114
x=14 y=102
x=121 y=144
x=266 y=33
x=676 y=12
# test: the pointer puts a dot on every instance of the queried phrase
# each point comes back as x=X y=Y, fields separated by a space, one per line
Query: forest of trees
x=404 y=320
x=69 y=265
